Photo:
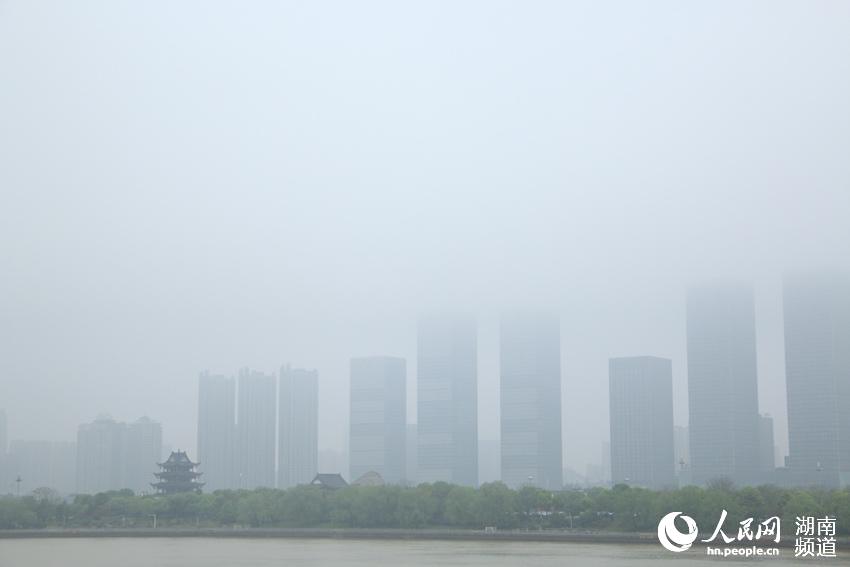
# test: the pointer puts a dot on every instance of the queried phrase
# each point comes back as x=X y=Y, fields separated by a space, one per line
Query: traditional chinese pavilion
x=177 y=474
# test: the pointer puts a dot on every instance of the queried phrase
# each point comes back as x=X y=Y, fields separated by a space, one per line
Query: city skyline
x=159 y=222
x=711 y=307
x=583 y=451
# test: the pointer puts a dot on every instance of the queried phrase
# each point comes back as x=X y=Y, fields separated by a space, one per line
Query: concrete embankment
x=331 y=533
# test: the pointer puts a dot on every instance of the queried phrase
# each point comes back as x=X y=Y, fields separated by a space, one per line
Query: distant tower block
x=722 y=384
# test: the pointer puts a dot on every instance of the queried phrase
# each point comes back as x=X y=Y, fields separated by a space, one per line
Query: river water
x=219 y=552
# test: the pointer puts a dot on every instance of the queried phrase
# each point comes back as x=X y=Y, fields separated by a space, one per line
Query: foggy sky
x=193 y=186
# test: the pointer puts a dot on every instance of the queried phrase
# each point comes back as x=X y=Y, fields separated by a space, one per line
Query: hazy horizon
x=206 y=186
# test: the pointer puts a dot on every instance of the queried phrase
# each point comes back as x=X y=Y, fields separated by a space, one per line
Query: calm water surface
x=212 y=552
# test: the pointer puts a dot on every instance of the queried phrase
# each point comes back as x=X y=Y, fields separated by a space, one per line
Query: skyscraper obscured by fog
x=378 y=418
x=641 y=414
x=4 y=468
x=4 y=443
x=530 y=352
x=298 y=426
x=722 y=384
x=256 y=429
x=447 y=388
x=817 y=370
x=100 y=456
x=411 y=450
x=143 y=450
x=767 y=452
x=217 y=431
x=113 y=455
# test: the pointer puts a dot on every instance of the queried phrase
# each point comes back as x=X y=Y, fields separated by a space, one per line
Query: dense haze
x=193 y=186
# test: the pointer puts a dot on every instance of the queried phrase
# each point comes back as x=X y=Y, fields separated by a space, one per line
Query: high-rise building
x=4 y=442
x=43 y=464
x=217 y=431
x=4 y=465
x=641 y=414
x=817 y=370
x=256 y=427
x=412 y=455
x=722 y=384
x=767 y=459
x=100 y=456
x=530 y=346
x=143 y=447
x=298 y=427
x=489 y=460
x=378 y=418
x=447 y=388
x=681 y=448
x=113 y=456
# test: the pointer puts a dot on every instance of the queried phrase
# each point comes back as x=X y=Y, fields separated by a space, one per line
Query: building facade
x=641 y=415
x=101 y=453
x=113 y=455
x=722 y=384
x=447 y=398
x=378 y=427
x=256 y=429
x=767 y=451
x=217 y=431
x=298 y=427
x=4 y=439
x=142 y=450
x=530 y=364
x=817 y=372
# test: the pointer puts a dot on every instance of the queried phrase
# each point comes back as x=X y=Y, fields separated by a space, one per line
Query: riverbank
x=337 y=533
x=554 y=536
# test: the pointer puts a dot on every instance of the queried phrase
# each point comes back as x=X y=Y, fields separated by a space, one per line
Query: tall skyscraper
x=817 y=372
x=142 y=451
x=531 y=400
x=298 y=427
x=217 y=431
x=767 y=459
x=447 y=363
x=4 y=466
x=4 y=442
x=722 y=384
x=412 y=455
x=113 y=456
x=378 y=418
x=641 y=414
x=100 y=456
x=256 y=427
